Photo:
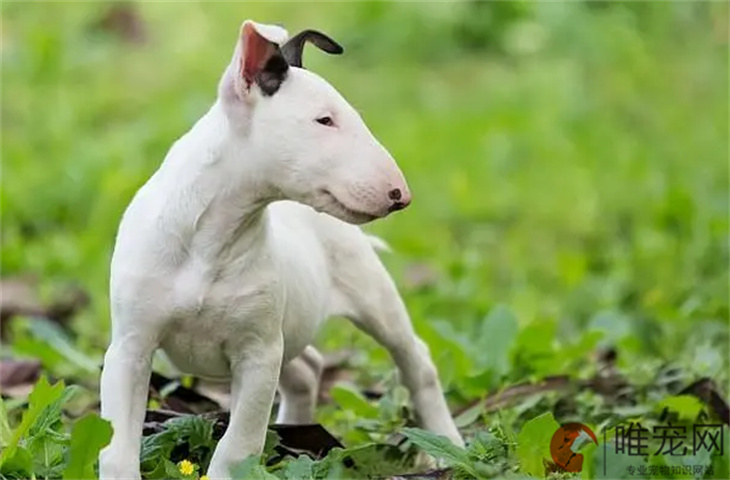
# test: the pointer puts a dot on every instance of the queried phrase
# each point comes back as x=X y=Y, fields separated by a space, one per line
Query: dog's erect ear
x=259 y=58
x=293 y=49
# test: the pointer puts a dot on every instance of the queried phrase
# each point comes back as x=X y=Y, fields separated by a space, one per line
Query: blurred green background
x=568 y=162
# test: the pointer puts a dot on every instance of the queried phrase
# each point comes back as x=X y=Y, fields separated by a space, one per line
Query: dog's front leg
x=124 y=387
x=254 y=378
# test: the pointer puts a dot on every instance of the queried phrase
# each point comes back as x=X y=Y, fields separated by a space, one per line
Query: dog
x=244 y=241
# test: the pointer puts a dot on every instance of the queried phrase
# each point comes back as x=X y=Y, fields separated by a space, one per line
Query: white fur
x=239 y=246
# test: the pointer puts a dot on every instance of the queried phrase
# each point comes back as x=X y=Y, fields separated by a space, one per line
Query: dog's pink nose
x=401 y=199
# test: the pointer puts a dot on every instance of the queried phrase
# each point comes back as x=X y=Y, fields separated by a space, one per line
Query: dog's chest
x=216 y=320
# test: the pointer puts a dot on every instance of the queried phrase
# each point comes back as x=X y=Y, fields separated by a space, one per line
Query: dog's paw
x=424 y=462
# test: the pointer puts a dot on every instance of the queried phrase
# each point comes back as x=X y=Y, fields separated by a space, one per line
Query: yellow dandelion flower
x=186 y=467
x=204 y=477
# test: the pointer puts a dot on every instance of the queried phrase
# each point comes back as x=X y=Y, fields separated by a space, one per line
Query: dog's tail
x=378 y=244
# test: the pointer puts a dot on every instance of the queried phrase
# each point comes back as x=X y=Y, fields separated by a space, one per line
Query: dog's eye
x=326 y=121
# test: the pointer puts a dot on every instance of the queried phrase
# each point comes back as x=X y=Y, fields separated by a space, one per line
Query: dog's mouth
x=335 y=207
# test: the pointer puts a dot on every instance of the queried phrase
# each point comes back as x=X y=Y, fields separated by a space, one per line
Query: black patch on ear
x=270 y=78
x=294 y=48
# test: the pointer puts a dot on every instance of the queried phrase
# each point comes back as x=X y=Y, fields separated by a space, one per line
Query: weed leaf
x=533 y=443
x=89 y=435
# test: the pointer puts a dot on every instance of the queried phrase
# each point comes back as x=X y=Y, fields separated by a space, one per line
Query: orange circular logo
x=566 y=444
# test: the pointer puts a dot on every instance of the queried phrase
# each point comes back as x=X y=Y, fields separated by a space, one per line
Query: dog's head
x=314 y=146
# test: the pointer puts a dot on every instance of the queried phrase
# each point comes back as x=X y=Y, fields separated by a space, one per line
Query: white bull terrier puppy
x=231 y=256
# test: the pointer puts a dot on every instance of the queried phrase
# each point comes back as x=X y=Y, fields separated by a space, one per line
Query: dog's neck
x=220 y=189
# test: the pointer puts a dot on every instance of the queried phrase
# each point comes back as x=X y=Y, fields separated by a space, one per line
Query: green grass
x=568 y=162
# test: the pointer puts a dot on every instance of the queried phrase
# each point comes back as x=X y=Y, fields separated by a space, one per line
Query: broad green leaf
x=154 y=447
x=611 y=465
x=164 y=470
x=331 y=465
x=442 y=448
x=88 y=436
x=350 y=399
x=687 y=407
x=42 y=396
x=497 y=335
x=447 y=350
x=251 y=469
x=299 y=468
x=536 y=347
x=533 y=443
x=19 y=465
x=197 y=431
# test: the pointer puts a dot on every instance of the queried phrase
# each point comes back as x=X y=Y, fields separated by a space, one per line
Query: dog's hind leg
x=299 y=387
x=366 y=294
